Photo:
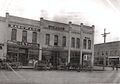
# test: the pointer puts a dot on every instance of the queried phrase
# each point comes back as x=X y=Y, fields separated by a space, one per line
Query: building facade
x=55 y=42
x=107 y=53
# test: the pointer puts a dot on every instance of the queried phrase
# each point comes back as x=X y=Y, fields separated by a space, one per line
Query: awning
x=113 y=56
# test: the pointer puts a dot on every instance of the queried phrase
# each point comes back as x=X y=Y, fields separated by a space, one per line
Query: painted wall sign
x=23 y=27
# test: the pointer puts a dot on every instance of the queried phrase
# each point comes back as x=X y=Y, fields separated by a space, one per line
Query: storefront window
x=13 y=34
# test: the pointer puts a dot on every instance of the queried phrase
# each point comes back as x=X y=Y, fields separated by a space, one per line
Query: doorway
x=55 y=59
x=23 y=56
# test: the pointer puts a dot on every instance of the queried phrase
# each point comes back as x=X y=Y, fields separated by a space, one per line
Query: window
x=84 y=43
x=89 y=44
x=78 y=43
x=98 y=53
x=56 y=40
x=47 y=39
x=111 y=53
x=102 y=53
x=24 y=36
x=13 y=34
x=34 y=37
x=64 y=41
x=0 y=47
x=106 y=53
x=73 y=43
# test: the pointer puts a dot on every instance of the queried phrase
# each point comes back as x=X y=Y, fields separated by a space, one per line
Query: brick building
x=55 y=42
x=109 y=52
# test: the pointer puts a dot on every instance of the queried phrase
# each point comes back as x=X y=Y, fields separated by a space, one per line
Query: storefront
x=22 y=52
x=75 y=57
x=112 y=59
x=86 y=59
x=55 y=55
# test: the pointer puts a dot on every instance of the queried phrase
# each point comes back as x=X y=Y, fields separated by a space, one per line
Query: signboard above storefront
x=18 y=26
x=24 y=44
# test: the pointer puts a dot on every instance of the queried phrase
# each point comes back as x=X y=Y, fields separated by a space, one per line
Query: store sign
x=23 y=27
x=28 y=44
x=23 y=43
x=56 y=28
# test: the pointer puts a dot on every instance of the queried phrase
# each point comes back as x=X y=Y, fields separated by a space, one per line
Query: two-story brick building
x=55 y=42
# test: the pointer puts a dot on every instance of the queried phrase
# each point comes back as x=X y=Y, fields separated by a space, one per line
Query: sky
x=101 y=13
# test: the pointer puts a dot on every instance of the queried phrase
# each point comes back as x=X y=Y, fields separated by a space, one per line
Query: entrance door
x=23 y=57
x=55 y=59
x=113 y=60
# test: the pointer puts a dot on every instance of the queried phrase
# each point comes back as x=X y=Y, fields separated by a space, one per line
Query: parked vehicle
x=72 y=66
x=61 y=67
x=9 y=65
x=42 y=65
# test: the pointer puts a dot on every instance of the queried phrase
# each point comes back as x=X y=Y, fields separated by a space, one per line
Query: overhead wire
x=110 y=3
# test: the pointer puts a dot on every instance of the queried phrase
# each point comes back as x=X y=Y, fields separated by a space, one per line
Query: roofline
x=108 y=42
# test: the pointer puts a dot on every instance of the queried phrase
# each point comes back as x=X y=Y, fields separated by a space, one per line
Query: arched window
x=85 y=43
x=13 y=34
x=56 y=40
x=47 y=42
x=24 y=36
x=78 y=43
x=64 y=41
x=73 y=42
x=34 y=37
x=89 y=44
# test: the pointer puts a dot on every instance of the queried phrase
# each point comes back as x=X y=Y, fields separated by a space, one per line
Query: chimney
x=7 y=14
x=70 y=25
x=93 y=26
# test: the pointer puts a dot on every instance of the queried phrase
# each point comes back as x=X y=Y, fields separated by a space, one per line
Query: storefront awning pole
x=69 y=42
x=81 y=43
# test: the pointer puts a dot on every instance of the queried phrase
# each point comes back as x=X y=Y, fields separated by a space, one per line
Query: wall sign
x=23 y=27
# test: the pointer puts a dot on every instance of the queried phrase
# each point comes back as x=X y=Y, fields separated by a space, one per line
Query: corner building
x=107 y=53
x=54 y=42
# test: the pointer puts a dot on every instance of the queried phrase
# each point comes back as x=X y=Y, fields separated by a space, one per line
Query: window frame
x=14 y=34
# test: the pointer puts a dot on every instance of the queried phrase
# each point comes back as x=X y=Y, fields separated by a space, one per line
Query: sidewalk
x=100 y=68
x=27 y=67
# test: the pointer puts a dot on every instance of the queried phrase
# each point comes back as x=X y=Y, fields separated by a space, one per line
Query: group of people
x=114 y=65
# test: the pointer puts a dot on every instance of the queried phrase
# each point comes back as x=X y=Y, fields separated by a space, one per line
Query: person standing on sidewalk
x=113 y=65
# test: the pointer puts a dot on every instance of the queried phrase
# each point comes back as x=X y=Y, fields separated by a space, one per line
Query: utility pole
x=104 y=35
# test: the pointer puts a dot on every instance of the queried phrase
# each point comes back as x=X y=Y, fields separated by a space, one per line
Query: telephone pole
x=104 y=35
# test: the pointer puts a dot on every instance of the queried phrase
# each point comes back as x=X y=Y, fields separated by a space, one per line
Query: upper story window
x=56 y=40
x=64 y=41
x=85 y=43
x=78 y=43
x=13 y=34
x=34 y=37
x=47 y=39
x=24 y=36
x=89 y=44
x=73 y=42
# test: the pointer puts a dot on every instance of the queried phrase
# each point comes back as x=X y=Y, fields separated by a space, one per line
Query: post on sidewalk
x=104 y=58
